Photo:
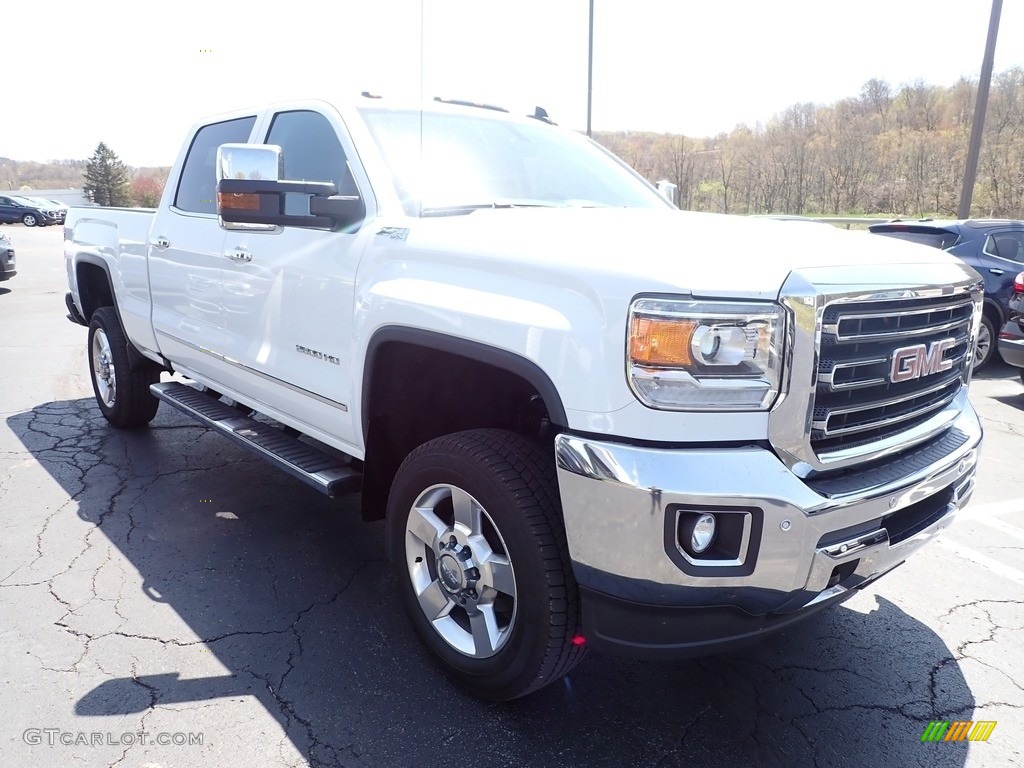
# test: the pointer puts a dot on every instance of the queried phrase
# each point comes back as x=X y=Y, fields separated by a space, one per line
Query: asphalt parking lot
x=162 y=586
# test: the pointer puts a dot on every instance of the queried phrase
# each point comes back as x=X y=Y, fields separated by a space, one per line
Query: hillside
x=890 y=150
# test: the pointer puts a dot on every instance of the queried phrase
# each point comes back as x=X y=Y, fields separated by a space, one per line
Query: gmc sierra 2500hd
x=581 y=428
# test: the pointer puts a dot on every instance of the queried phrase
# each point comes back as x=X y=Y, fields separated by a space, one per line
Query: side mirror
x=250 y=192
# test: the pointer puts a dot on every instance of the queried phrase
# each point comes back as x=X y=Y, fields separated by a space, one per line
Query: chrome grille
x=855 y=401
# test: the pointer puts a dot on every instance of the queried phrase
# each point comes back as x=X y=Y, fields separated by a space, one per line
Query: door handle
x=160 y=242
x=995 y=271
x=239 y=254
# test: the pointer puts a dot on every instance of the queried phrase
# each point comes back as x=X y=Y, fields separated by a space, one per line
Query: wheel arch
x=95 y=290
x=459 y=384
x=994 y=311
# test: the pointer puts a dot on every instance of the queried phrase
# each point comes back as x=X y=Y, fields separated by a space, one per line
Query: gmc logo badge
x=914 y=362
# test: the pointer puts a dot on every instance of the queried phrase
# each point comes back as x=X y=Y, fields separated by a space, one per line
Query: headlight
x=703 y=355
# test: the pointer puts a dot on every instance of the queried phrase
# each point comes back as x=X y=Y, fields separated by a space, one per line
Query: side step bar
x=324 y=472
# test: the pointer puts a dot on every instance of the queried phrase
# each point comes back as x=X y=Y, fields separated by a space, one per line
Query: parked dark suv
x=995 y=248
x=14 y=208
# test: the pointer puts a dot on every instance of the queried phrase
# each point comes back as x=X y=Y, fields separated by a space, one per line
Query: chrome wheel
x=460 y=571
x=103 y=369
x=28 y=220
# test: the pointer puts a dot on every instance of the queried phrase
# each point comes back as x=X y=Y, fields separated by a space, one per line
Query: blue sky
x=137 y=74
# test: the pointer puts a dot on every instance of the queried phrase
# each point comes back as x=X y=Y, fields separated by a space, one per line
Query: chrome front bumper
x=808 y=541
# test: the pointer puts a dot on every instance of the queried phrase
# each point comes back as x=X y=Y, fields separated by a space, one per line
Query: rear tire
x=477 y=543
x=985 y=344
x=122 y=393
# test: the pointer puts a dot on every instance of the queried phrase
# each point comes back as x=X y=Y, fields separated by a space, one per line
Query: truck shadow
x=290 y=592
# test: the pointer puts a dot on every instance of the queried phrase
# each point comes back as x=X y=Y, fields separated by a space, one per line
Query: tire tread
x=527 y=471
x=135 y=405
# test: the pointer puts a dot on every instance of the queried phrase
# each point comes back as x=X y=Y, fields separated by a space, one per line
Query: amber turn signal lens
x=237 y=202
x=660 y=342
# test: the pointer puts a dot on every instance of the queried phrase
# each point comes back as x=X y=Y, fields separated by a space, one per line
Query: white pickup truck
x=590 y=419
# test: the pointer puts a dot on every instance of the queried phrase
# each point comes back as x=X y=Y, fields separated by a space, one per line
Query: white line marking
x=1000 y=525
x=984 y=561
x=994 y=508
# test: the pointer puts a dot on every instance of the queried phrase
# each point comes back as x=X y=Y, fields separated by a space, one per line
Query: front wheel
x=122 y=393
x=478 y=546
x=29 y=220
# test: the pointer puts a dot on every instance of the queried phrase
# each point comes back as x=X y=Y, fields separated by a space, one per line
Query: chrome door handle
x=160 y=242
x=239 y=254
x=995 y=271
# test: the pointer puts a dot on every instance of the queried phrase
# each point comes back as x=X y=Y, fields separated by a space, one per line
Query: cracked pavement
x=167 y=582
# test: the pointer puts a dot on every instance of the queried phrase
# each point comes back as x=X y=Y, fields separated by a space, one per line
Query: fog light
x=703 y=533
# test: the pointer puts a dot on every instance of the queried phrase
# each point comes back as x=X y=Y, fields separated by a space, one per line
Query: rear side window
x=311 y=152
x=1006 y=245
x=197 y=189
x=937 y=238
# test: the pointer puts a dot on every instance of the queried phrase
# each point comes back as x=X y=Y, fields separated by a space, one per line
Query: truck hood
x=630 y=251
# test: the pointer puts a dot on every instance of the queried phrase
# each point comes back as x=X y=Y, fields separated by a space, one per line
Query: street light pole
x=980 y=107
x=590 y=67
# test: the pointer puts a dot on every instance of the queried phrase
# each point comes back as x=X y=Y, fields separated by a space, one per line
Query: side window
x=197 y=189
x=1006 y=245
x=311 y=152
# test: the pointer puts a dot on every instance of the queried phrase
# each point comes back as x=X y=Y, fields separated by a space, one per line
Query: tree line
x=893 y=151
x=103 y=178
x=897 y=151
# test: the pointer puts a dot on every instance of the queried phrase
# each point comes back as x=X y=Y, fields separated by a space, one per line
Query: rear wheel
x=476 y=540
x=29 y=220
x=122 y=393
x=984 y=347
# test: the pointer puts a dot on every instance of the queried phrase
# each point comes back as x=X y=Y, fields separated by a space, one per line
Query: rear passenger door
x=1002 y=259
x=288 y=298
x=186 y=258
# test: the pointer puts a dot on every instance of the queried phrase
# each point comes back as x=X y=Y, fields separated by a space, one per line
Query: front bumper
x=805 y=544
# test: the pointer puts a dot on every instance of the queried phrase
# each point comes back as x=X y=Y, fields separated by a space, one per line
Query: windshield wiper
x=464 y=208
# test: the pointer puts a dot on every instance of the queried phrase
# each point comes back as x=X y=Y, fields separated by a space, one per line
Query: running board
x=324 y=472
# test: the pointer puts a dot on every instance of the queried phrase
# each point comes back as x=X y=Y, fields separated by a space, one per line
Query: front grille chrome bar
x=842 y=339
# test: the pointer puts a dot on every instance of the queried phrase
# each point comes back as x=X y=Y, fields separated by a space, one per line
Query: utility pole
x=980 y=107
x=590 y=67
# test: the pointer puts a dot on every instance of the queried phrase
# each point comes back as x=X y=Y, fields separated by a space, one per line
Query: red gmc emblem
x=919 y=360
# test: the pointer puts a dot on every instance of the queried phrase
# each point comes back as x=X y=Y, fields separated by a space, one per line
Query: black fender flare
x=516 y=364
x=136 y=358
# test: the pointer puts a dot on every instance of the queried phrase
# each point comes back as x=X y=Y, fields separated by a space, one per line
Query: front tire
x=29 y=220
x=476 y=539
x=122 y=393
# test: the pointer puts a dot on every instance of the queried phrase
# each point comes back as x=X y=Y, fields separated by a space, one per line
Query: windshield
x=472 y=161
x=22 y=200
